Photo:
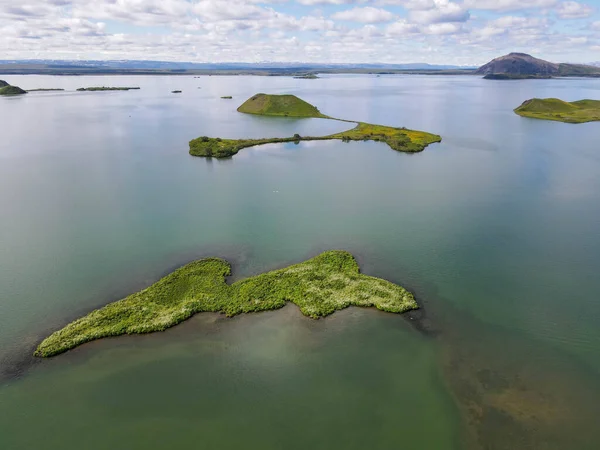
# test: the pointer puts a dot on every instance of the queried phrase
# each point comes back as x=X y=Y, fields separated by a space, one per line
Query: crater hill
x=7 y=89
x=523 y=66
x=555 y=109
x=279 y=105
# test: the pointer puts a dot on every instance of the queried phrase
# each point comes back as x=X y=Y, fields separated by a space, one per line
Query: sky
x=459 y=32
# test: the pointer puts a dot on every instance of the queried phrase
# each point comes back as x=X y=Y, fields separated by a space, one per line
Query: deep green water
x=496 y=230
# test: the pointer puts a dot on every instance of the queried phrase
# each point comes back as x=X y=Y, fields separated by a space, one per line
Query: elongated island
x=555 y=109
x=320 y=286
x=400 y=139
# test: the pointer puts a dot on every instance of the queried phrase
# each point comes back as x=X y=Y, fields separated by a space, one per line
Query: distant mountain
x=64 y=67
x=522 y=65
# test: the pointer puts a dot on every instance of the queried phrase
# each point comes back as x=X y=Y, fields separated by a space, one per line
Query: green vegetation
x=308 y=76
x=555 y=109
x=319 y=287
x=11 y=90
x=104 y=88
x=228 y=97
x=400 y=139
x=175 y=92
x=44 y=90
x=279 y=105
x=3 y=83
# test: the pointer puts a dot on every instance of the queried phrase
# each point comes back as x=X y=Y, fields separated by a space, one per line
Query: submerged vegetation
x=319 y=287
x=400 y=139
x=555 y=109
x=104 y=88
x=279 y=105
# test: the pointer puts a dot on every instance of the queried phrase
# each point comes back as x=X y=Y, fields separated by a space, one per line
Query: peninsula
x=400 y=139
x=320 y=286
x=555 y=109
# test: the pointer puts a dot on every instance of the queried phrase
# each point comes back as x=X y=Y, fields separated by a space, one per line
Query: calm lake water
x=496 y=230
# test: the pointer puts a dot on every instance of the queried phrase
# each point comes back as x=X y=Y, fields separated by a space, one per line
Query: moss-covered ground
x=320 y=286
x=555 y=109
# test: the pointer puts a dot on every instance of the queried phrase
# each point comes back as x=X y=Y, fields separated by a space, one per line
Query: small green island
x=227 y=97
x=44 y=90
x=308 y=76
x=555 y=109
x=7 y=89
x=400 y=139
x=105 y=88
x=176 y=92
x=320 y=286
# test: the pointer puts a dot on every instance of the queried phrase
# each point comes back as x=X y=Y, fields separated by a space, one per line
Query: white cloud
x=367 y=14
x=573 y=10
x=256 y=30
x=441 y=12
x=508 y=5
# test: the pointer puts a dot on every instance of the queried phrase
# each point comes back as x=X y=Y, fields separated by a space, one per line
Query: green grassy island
x=44 y=90
x=308 y=76
x=227 y=97
x=555 y=109
x=400 y=139
x=104 y=88
x=279 y=105
x=320 y=286
x=7 y=89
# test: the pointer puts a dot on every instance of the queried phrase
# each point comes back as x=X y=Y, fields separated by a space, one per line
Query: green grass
x=400 y=139
x=319 y=287
x=104 y=88
x=555 y=109
x=279 y=105
x=11 y=90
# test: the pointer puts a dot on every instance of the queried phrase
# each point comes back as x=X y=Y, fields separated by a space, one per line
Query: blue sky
x=462 y=32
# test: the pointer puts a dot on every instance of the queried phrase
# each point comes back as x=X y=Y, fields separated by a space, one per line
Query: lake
x=496 y=230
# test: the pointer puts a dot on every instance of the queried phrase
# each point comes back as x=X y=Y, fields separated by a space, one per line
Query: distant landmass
x=302 y=69
x=523 y=66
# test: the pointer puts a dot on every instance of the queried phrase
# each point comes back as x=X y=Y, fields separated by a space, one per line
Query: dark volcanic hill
x=519 y=64
x=522 y=65
x=3 y=83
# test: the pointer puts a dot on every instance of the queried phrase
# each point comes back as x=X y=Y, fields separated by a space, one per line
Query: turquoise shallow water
x=495 y=230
